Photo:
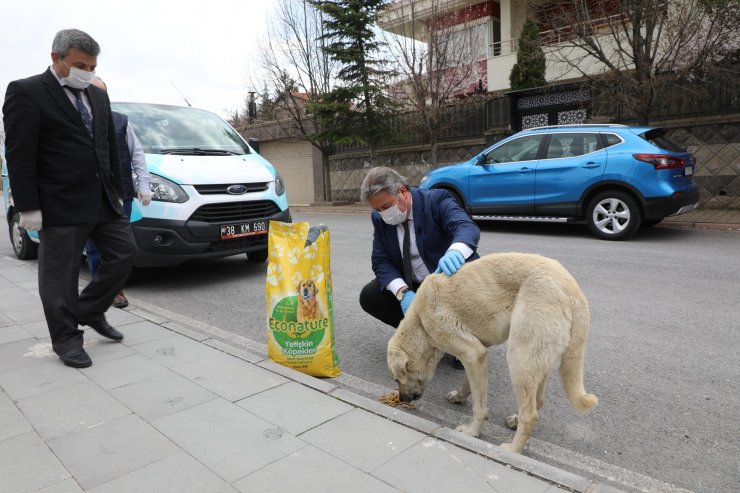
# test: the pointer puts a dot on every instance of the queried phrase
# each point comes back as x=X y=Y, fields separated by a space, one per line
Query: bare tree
x=437 y=54
x=295 y=66
x=646 y=48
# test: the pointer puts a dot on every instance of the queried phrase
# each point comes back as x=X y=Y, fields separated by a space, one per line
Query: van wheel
x=257 y=257
x=23 y=246
x=613 y=215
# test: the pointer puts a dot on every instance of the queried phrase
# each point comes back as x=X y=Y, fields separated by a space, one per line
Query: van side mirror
x=254 y=144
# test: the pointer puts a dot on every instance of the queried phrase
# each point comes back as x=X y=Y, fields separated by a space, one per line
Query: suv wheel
x=23 y=246
x=257 y=257
x=613 y=215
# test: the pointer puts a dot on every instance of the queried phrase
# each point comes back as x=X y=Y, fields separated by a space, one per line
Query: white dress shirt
x=417 y=264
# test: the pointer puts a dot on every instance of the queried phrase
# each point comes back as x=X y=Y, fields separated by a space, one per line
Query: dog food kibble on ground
x=392 y=399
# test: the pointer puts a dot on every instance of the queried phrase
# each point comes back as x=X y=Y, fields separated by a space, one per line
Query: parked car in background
x=616 y=178
x=212 y=194
x=25 y=243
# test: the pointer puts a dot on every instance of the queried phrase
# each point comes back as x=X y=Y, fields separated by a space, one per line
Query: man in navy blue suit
x=429 y=226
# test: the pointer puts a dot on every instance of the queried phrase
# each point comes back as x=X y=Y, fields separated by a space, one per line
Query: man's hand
x=30 y=220
x=408 y=297
x=450 y=262
x=145 y=198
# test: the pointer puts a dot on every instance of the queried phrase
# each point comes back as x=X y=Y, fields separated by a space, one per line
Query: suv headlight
x=165 y=190
x=279 y=184
x=425 y=178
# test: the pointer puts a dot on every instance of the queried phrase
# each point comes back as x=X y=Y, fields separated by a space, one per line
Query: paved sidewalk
x=171 y=409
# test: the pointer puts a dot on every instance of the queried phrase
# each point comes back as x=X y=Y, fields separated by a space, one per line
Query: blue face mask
x=77 y=78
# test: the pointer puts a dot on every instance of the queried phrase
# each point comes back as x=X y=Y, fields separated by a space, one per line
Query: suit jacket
x=53 y=163
x=438 y=222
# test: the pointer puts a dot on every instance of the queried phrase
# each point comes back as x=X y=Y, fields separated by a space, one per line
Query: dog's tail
x=571 y=363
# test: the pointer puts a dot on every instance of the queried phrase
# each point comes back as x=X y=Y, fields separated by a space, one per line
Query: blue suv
x=616 y=178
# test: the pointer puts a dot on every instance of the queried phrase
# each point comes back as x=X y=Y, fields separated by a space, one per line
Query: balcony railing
x=501 y=48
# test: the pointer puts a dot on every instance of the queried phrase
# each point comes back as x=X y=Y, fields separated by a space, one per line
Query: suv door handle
x=591 y=164
x=525 y=170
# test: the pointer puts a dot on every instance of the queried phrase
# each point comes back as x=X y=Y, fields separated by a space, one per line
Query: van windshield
x=164 y=129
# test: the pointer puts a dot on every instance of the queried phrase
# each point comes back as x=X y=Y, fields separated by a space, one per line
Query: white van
x=212 y=194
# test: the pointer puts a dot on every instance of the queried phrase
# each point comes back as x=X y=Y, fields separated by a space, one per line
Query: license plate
x=688 y=170
x=231 y=231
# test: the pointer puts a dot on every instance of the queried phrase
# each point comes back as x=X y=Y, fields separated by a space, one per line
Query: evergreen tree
x=266 y=110
x=358 y=102
x=529 y=69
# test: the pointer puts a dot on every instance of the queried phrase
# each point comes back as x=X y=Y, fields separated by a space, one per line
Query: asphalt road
x=662 y=354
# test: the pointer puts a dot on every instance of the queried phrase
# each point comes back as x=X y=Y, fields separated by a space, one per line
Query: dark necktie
x=408 y=273
x=86 y=118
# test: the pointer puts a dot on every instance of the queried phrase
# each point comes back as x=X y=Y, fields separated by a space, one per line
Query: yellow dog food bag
x=300 y=321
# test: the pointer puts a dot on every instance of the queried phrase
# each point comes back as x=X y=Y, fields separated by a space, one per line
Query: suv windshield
x=164 y=129
x=658 y=138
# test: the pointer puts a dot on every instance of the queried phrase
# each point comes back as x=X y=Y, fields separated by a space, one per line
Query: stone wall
x=716 y=147
x=349 y=169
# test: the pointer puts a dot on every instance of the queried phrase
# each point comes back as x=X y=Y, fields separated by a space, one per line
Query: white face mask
x=77 y=78
x=393 y=215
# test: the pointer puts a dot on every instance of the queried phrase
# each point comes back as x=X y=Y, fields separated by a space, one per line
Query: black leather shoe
x=76 y=358
x=103 y=328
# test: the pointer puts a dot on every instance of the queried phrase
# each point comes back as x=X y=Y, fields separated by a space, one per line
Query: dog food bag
x=300 y=322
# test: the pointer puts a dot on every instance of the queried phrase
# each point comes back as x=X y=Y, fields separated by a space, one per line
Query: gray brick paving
x=172 y=409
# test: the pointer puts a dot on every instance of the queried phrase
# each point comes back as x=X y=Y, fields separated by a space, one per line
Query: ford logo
x=236 y=189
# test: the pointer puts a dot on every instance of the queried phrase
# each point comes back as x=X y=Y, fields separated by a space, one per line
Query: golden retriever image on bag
x=529 y=300
x=308 y=303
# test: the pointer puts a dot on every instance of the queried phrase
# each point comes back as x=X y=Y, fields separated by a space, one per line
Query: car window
x=659 y=139
x=563 y=145
x=611 y=139
x=521 y=149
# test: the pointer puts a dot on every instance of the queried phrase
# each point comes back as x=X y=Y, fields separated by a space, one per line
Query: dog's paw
x=512 y=422
x=455 y=397
x=468 y=430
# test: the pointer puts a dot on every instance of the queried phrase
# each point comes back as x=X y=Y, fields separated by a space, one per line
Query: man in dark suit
x=433 y=231
x=65 y=179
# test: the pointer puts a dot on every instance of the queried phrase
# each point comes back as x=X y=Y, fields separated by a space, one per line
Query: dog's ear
x=315 y=289
x=298 y=288
x=397 y=361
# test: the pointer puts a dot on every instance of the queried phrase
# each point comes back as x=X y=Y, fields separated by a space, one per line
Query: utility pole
x=251 y=107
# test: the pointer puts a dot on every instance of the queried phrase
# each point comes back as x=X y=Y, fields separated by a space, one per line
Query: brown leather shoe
x=120 y=300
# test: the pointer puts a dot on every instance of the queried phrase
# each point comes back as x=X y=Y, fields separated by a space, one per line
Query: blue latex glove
x=406 y=301
x=450 y=262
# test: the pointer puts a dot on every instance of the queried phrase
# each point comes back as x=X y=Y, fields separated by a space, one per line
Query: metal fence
x=453 y=122
x=712 y=96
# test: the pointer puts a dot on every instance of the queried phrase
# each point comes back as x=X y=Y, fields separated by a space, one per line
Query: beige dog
x=308 y=303
x=530 y=300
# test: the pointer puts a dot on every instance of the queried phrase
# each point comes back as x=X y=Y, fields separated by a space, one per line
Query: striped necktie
x=86 y=117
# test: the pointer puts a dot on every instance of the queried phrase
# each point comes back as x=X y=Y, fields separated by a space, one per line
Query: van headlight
x=165 y=190
x=279 y=184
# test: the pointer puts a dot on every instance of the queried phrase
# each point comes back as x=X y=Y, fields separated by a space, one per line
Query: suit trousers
x=382 y=305
x=60 y=253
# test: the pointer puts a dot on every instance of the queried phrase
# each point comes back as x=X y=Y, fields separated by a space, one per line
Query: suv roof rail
x=578 y=125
